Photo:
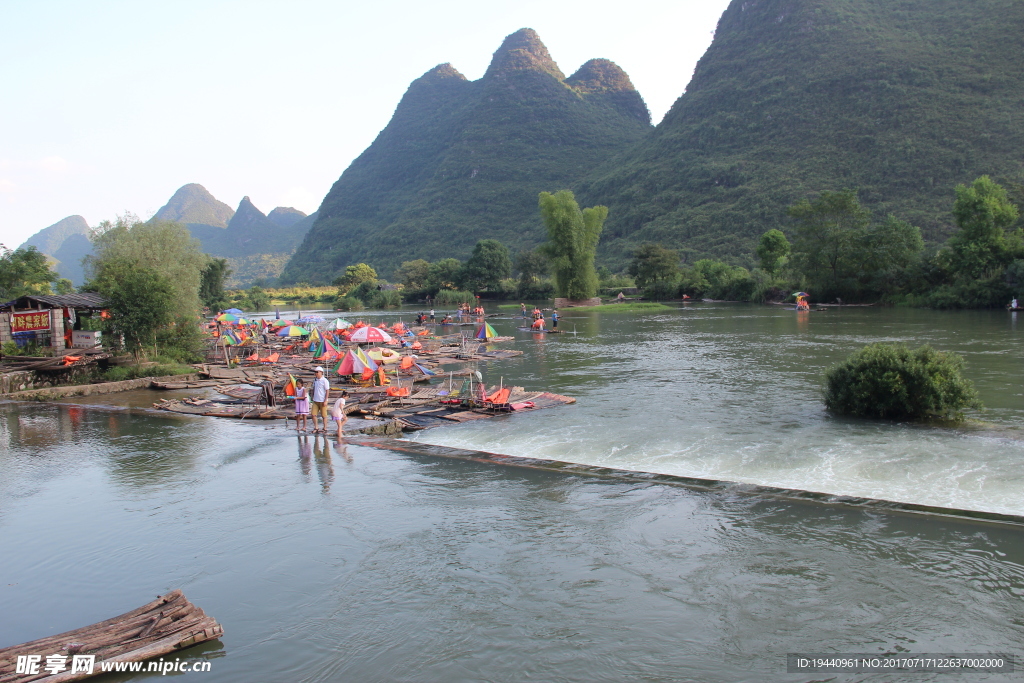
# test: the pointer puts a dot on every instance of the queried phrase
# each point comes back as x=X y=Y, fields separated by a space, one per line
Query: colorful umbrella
x=354 y=363
x=485 y=331
x=800 y=294
x=280 y=323
x=292 y=331
x=370 y=334
x=228 y=318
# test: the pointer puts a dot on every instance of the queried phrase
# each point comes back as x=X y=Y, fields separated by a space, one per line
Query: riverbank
x=58 y=392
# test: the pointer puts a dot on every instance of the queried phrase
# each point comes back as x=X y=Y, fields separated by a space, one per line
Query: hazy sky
x=107 y=107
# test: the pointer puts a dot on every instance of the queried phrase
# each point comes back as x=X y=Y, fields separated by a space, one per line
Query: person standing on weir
x=320 y=393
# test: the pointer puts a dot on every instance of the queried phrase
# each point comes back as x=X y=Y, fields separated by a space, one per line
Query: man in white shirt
x=320 y=393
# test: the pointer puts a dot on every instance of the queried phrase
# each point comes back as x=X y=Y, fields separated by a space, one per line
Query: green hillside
x=462 y=161
x=193 y=203
x=902 y=99
x=67 y=243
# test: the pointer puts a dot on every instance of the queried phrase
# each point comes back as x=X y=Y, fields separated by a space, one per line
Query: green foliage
x=211 y=283
x=120 y=373
x=166 y=249
x=255 y=269
x=712 y=279
x=488 y=265
x=572 y=243
x=443 y=274
x=384 y=298
x=532 y=265
x=452 y=297
x=840 y=254
x=10 y=348
x=981 y=247
x=828 y=231
x=772 y=250
x=413 y=274
x=24 y=271
x=348 y=303
x=140 y=301
x=354 y=276
x=181 y=341
x=653 y=264
x=258 y=299
x=890 y=381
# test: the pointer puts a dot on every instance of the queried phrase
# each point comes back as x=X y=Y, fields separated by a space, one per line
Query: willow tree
x=572 y=243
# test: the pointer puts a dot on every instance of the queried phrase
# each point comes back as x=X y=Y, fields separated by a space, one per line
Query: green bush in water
x=890 y=381
x=387 y=298
x=448 y=297
x=348 y=303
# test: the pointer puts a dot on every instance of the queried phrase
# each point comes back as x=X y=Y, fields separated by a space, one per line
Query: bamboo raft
x=167 y=624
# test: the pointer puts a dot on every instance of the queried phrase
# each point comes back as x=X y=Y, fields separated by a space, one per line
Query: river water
x=348 y=563
x=733 y=391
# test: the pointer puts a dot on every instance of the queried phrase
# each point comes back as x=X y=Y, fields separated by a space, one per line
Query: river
x=328 y=563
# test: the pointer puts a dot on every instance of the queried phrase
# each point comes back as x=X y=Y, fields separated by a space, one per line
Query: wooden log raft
x=167 y=624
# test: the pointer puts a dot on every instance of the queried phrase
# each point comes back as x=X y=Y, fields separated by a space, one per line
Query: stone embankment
x=52 y=393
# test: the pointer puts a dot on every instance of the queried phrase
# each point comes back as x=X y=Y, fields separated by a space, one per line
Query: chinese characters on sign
x=29 y=664
x=27 y=322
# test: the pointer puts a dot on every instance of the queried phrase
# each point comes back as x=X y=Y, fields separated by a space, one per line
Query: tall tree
x=489 y=264
x=443 y=274
x=531 y=265
x=652 y=264
x=24 y=271
x=572 y=243
x=771 y=250
x=828 y=231
x=413 y=274
x=140 y=301
x=981 y=247
x=354 y=276
x=166 y=248
x=211 y=282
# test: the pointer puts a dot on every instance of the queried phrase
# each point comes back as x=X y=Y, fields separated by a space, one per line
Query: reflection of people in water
x=324 y=463
x=341 y=448
x=305 y=455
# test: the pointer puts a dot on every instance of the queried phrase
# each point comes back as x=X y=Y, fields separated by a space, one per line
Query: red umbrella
x=370 y=334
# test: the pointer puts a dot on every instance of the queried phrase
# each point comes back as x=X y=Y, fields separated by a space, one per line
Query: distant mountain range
x=900 y=99
x=67 y=243
x=257 y=246
x=463 y=160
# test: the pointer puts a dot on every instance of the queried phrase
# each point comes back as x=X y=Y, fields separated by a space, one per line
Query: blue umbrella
x=233 y=311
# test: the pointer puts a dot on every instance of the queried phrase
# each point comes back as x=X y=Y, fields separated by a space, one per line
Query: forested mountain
x=256 y=245
x=67 y=243
x=464 y=160
x=193 y=203
x=902 y=99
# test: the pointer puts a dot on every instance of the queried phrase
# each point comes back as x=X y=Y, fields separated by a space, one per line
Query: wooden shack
x=48 y=320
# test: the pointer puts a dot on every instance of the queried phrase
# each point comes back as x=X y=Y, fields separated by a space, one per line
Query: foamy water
x=733 y=392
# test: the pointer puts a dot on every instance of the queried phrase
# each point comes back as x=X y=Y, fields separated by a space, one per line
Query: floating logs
x=167 y=624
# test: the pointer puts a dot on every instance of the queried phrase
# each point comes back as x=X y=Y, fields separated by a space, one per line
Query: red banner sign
x=27 y=322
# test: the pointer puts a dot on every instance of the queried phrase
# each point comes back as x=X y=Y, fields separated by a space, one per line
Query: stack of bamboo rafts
x=168 y=624
x=64 y=360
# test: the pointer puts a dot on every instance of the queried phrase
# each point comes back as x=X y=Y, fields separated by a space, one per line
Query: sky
x=108 y=107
